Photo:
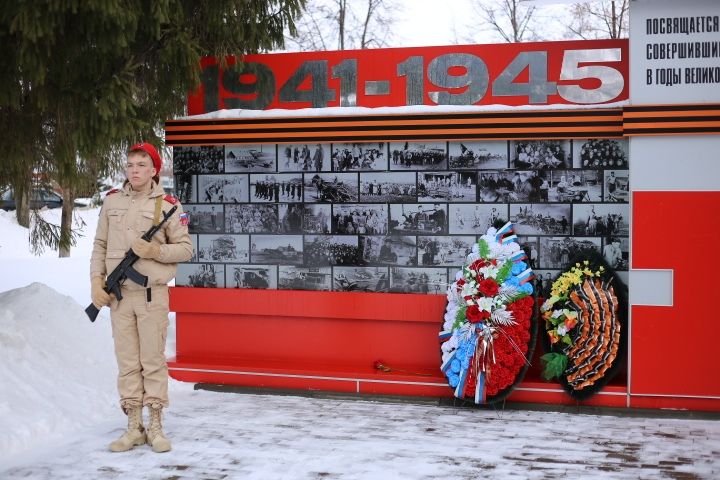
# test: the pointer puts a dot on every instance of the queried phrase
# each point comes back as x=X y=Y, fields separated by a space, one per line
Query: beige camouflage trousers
x=140 y=330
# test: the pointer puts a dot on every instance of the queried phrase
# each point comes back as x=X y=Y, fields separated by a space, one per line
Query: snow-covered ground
x=58 y=412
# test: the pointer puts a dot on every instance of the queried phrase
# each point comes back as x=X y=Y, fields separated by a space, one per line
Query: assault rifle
x=125 y=269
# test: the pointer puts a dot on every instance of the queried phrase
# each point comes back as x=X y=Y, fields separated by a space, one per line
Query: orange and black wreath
x=585 y=325
x=489 y=327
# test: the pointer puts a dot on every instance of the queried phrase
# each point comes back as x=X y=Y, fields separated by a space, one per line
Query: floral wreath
x=584 y=325
x=487 y=325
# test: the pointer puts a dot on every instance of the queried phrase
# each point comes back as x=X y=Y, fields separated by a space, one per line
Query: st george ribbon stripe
x=550 y=124
x=388 y=128
x=439 y=136
x=671 y=119
x=494 y=125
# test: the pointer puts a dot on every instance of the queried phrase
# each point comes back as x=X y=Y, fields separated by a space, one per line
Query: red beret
x=150 y=150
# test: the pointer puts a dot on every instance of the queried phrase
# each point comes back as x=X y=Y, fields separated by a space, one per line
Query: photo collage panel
x=395 y=216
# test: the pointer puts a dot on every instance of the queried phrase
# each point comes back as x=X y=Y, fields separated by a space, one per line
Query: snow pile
x=57 y=370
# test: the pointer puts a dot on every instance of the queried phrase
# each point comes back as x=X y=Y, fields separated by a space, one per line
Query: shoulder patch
x=114 y=190
x=170 y=199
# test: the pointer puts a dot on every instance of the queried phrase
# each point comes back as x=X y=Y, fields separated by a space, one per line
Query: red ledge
x=366 y=373
x=366 y=379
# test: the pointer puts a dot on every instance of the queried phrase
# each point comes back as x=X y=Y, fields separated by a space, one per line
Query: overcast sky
x=447 y=22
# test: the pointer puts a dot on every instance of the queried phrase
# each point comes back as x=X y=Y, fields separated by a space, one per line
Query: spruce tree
x=82 y=80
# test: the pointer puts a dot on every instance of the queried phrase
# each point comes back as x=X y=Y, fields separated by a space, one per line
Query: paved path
x=229 y=436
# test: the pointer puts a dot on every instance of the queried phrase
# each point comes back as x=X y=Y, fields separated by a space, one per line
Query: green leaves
x=483 y=249
x=504 y=272
x=554 y=365
x=459 y=317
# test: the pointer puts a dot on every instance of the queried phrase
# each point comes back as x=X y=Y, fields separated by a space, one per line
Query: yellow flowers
x=574 y=276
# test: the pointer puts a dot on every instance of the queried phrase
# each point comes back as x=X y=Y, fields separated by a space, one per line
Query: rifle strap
x=158 y=209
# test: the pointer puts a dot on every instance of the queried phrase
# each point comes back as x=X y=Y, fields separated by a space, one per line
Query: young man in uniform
x=140 y=319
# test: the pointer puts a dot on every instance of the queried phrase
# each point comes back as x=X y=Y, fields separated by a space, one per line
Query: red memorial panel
x=543 y=73
x=674 y=357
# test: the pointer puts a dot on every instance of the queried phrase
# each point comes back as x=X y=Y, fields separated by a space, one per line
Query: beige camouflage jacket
x=125 y=216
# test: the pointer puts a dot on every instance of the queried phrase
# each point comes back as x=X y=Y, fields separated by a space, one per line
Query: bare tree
x=592 y=20
x=378 y=13
x=511 y=19
x=342 y=16
x=344 y=24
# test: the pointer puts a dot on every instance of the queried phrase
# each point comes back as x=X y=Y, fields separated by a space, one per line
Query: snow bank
x=57 y=370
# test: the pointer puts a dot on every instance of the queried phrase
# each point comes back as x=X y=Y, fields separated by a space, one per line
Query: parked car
x=39 y=198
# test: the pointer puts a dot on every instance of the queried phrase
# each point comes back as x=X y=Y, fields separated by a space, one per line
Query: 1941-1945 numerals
x=448 y=79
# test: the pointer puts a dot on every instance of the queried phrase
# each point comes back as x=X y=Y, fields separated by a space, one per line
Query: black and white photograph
x=616 y=251
x=331 y=187
x=359 y=156
x=359 y=219
x=541 y=186
x=540 y=154
x=478 y=155
x=448 y=186
x=205 y=218
x=601 y=219
x=443 y=250
x=617 y=186
x=194 y=243
x=282 y=249
x=304 y=157
x=389 y=250
x=361 y=279
x=543 y=282
x=222 y=188
x=502 y=186
x=198 y=160
x=223 y=248
x=185 y=188
x=418 y=280
x=540 y=219
x=600 y=153
x=475 y=219
x=556 y=252
x=316 y=218
x=418 y=219
x=249 y=158
x=276 y=187
x=291 y=217
x=252 y=276
x=304 y=278
x=393 y=187
x=200 y=275
x=247 y=218
x=418 y=155
x=575 y=185
x=321 y=250
x=531 y=247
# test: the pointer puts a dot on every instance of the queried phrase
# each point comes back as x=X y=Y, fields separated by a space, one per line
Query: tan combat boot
x=155 y=436
x=135 y=433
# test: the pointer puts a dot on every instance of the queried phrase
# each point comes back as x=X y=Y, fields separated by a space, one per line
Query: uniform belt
x=147 y=292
